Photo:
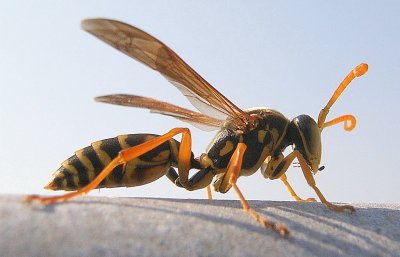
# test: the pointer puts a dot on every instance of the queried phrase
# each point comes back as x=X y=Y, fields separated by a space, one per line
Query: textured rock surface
x=100 y=226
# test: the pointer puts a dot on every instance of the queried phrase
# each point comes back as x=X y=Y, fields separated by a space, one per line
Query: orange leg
x=292 y=192
x=234 y=167
x=311 y=182
x=276 y=167
x=209 y=194
x=123 y=157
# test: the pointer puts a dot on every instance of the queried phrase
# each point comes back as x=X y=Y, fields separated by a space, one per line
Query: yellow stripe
x=91 y=175
x=86 y=163
x=70 y=168
x=129 y=170
x=64 y=184
x=76 y=181
x=122 y=141
x=74 y=172
x=173 y=148
x=103 y=156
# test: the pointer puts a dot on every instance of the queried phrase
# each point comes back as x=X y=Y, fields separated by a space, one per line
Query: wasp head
x=306 y=137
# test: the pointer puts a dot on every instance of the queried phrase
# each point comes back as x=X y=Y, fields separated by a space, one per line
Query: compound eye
x=307 y=139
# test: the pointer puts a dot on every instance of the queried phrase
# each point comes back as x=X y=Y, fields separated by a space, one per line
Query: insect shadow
x=313 y=227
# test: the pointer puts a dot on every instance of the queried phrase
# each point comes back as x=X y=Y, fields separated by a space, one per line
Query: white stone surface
x=101 y=226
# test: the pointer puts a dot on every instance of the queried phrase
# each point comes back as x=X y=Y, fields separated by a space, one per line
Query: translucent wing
x=198 y=120
x=156 y=55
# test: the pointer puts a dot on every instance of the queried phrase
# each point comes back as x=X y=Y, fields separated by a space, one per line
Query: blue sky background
x=287 y=55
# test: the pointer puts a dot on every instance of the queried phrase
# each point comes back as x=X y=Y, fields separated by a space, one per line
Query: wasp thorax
x=306 y=137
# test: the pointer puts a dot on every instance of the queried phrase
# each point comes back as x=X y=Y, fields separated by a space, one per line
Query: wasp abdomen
x=81 y=168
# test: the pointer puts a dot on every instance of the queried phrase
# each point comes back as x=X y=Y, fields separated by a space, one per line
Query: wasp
x=247 y=140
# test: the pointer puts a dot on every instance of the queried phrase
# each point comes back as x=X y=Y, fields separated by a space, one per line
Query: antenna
x=349 y=120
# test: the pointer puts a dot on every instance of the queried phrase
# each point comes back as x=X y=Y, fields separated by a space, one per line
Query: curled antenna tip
x=360 y=69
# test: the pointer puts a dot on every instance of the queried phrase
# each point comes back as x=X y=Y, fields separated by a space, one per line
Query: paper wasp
x=247 y=140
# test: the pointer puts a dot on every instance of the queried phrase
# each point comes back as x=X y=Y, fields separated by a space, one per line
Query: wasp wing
x=198 y=120
x=156 y=55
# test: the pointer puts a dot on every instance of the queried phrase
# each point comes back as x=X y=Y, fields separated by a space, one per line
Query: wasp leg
x=276 y=167
x=124 y=156
x=172 y=175
x=292 y=192
x=234 y=167
x=199 y=180
x=209 y=194
x=311 y=182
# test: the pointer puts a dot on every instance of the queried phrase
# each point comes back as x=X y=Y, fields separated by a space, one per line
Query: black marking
x=111 y=146
x=267 y=138
x=68 y=176
x=219 y=143
x=275 y=121
x=278 y=169
x=139 y=173
x=251 y=139
x=254 y=148
x=137 y=139
x=294 y=132
x=306 y=127
x=198 y=176
x=174 y=150
x=195 y=163
x=117 y=174
x=155 y=152
x=90 y=153
x=172 y=175
x=58 y=181
x=81 y=169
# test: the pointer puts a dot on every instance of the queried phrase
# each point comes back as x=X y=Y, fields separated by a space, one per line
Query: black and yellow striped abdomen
x=81 y=168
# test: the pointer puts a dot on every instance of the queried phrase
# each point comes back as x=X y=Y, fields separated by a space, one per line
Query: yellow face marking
x=226 y=149
x=103 y=156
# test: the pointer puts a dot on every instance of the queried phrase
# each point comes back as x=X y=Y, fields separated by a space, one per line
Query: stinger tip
x=51 y=186
x=360 y=69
